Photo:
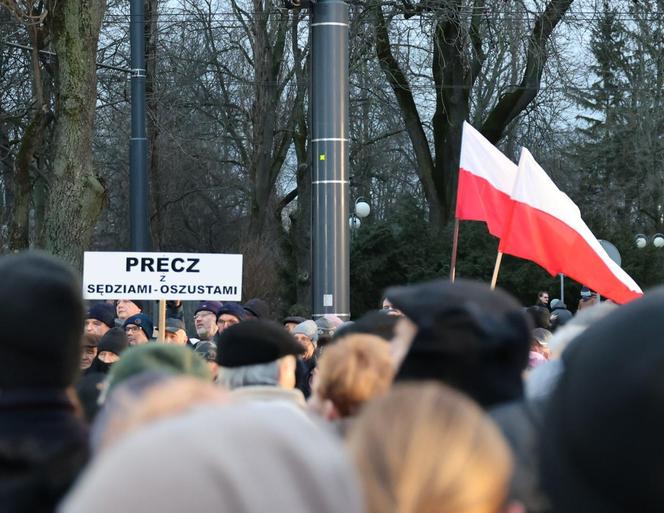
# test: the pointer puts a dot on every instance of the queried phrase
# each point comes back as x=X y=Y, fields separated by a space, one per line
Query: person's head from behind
x=425 y=448
x=350 y=373
x=34 y=286
x=162 y=358
x=465 y=335
x=577 y=325
x=541 y=316
x=244 y=457
x=376 y=322
x=132 y=407
x=257 y=353
x=604 y=423
x=208 y=351
x=540 y=341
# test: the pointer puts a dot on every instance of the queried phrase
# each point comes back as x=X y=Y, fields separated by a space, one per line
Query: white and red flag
x=545 y=226
x=486 y=180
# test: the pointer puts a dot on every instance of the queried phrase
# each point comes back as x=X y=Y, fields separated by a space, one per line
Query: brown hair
x=90 y=340
x=354 y=370
x=426 y=448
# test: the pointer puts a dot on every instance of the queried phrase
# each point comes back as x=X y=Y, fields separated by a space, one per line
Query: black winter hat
x=35 y=285
x=376 y=322
x=253 y=342
x=233 y=309
x=469 y=337
x=257 y=308
x=138 y=302
x=602 y=430
x=295 y=319
x=114 y=340
x=209 y=306
x=143 y=322
x=103 y=312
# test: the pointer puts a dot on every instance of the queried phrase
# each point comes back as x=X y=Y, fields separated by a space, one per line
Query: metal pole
x=138 y=179
x=562 y=287
x=329 y=153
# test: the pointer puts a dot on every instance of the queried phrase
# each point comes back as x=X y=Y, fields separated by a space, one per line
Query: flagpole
x=494 y=279
x=455 y=247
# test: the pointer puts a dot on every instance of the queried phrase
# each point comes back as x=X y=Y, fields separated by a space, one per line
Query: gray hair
x=249 y=375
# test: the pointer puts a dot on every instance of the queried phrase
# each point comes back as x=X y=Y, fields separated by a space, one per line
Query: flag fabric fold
x=486 y=180
x=545 y=226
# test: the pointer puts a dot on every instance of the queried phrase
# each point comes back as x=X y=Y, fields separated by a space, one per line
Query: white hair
x=249 y=375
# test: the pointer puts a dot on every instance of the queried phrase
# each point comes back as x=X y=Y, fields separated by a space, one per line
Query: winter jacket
x=43 y=446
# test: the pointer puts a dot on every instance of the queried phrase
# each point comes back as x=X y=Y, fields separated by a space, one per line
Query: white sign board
x=186 y=276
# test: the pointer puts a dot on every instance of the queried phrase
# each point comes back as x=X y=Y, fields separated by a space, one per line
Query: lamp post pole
x=138 y=179
x=329 y=153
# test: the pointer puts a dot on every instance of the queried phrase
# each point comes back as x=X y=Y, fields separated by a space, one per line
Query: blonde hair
x=425 y=448
x=354 y=370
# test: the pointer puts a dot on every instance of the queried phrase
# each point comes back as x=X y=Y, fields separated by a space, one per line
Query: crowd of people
x=450 y=397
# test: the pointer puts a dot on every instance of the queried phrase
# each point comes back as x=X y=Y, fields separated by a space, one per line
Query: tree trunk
x=76 y=196
x=452 y=97
x=268 y=151
x=33 y=138
x=454 y=75
x=399 y=84
x=31 y=143
x=6 y=171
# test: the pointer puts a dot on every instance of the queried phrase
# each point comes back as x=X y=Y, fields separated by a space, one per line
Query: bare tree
x=459 y=39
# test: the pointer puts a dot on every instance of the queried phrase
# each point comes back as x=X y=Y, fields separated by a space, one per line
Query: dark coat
x=43 y=446
x=520 y=421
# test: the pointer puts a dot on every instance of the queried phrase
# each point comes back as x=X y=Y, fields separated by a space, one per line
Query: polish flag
x=545 y=226
x=486 y=180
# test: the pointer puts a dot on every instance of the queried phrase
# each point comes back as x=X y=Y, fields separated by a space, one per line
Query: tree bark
x=6 y=172
x=76 y=196
x=268 y=150
x=33 y=139
x=300 y=233
x=399 y=84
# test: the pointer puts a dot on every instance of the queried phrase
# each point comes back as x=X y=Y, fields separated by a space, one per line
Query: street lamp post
x=329 y=153
x=138 y=179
